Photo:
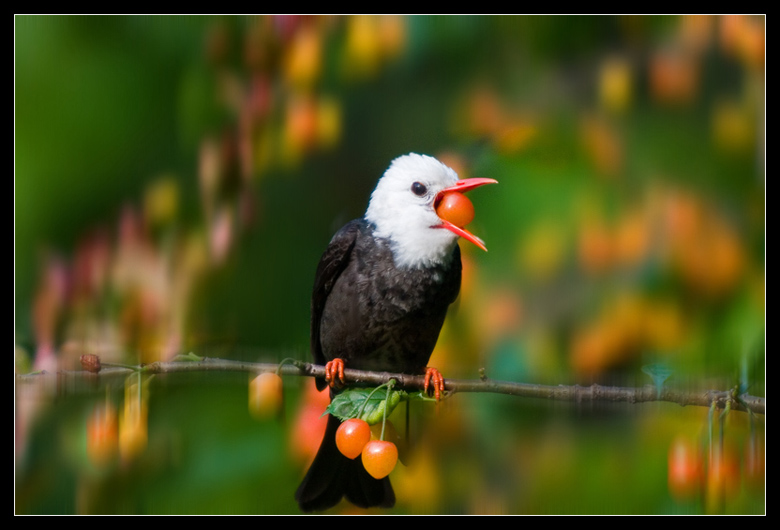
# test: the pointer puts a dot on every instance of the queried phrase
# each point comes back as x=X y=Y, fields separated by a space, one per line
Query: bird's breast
x=381 y=317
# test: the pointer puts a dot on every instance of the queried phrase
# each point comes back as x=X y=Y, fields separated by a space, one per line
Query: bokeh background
x=177 y=179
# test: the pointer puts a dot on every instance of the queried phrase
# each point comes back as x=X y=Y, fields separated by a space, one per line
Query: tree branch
x=573 y=393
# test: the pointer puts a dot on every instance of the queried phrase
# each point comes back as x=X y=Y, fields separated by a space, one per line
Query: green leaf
x=349 y=403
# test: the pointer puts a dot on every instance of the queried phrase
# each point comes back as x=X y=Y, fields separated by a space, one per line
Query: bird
x=380 y=297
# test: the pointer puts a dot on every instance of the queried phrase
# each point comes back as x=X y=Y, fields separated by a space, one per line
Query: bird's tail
x=333 y=476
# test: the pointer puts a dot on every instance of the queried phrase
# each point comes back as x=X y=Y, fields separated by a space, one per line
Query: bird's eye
x=419 y=189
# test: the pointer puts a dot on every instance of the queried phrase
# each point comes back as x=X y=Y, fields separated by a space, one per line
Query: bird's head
x=403 y=209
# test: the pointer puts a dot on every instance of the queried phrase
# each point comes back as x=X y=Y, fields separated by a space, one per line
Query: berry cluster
x=353 y=438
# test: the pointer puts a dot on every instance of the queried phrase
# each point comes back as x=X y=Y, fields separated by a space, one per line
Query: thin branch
x=572 y=393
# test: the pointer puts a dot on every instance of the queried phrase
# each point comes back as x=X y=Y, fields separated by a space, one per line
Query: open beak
x=462 y=186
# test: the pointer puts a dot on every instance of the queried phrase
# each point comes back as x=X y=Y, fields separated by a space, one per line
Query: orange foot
x=334 y=372
x=432 y=375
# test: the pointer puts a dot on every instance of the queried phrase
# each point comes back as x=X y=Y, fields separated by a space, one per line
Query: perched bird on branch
x=381 y=294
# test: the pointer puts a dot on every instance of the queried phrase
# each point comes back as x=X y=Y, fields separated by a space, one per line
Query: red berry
x=379 y=458
x=455 y=208
x=685 y=469
x=352 y=436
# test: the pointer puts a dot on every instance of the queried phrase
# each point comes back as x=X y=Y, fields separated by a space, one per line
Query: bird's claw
x=334 y=372
x=432 y=375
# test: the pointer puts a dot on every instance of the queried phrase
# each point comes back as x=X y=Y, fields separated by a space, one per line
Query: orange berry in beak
x=455 y=208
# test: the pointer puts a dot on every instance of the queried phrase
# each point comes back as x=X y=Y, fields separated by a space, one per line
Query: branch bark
x=573 y=393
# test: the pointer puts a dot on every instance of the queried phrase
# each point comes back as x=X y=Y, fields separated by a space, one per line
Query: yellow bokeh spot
x=603 y=145
x=392 y=34
x=513 y=137
x=615 y=85
x=744 y=37
x=304 y=56
x=664 y=328
x=161 y=201
x=542 y=250
x=133 y=424
x=417 y=485
x=364 y=51
x=733 y=129
x=328 y=122
x=632 y=239
x=696 y=31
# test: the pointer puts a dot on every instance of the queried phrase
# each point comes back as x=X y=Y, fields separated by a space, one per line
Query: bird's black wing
x=333 y=262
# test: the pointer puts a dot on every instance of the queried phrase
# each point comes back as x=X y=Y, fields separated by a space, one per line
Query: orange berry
x=265 y=395
x=379 y=458
x=455 y=208
x=352 y=436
